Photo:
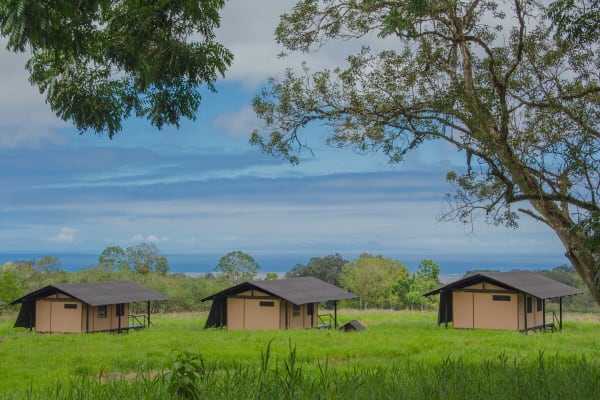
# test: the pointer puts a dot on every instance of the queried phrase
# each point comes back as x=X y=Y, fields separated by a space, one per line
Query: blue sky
x=203 y=189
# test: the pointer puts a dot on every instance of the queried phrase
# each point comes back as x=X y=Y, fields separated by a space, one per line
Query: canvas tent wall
x=500 y=300
x=82 y=307
x=273 y=304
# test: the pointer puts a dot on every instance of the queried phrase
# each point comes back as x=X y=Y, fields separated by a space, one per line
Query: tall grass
x=499 y=378
x=400 y=355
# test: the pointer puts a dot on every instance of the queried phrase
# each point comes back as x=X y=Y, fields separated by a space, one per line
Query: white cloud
x=237 y=123
x=66 y=235
x=25 y=118
x=152 y=238
x=187 y=240
x=155 y=238
x=248 y=30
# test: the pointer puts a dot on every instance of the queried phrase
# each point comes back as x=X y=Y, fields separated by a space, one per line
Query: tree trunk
x=581 y=256
x=557 y=217
x=582 y=260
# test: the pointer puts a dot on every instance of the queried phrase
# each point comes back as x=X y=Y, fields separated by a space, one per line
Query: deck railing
x=137 y=321
x=326 y=321
x=553 y=322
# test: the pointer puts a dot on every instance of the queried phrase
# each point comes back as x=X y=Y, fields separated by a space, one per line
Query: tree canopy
x=372 y=278
x=237 y=267
x=113 y=258
x=327 y=269
x=492 y=78
x=144 y=258
x=410 y=288
x=576 y=19
x=48 y=264
x=101 y=61
x=11 y=286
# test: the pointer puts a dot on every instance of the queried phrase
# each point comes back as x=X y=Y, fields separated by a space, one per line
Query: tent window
x=296 y=310
x=529 y=305
x=267 y=304
x=540 y=304
x=500 y=297
x=310 y=308
x=102 y=311
x=120 y=310
x=70 y=306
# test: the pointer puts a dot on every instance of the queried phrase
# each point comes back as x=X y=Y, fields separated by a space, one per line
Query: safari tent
x=502 y=300
x=274 y=304
x=85 y=307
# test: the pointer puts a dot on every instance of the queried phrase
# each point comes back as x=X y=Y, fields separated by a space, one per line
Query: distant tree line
x=379 y=282
x=143 y=263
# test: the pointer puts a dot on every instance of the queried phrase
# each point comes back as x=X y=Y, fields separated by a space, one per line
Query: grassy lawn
x=395 y=343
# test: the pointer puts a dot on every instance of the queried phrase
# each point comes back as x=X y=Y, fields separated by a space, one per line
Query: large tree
x=48 y=264
x=492 y=78
x=410 y=288
x=113 y=258
x=372 y=278
x=101 y=61
x=326 y=268
x=237 y=267
x=11 y=286
x=145 y=257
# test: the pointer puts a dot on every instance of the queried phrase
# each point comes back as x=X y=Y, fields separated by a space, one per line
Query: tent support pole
x=335 y=325
x=525 y=311
x=544 y=313
x=287 y=317
x=221 y=313
x=148 y=312
x=560 y=320
x=445 y=308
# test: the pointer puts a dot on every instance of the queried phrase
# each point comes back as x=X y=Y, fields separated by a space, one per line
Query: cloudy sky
x=203 y=190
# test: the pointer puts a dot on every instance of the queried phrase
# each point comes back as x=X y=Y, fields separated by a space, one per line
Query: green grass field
x=400 y=355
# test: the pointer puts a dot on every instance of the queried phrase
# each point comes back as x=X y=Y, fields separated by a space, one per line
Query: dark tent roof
x=522 y=281
x=97 y=293
x=298 y=291
x=353 y=325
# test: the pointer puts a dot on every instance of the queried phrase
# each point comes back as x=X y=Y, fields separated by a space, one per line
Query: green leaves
x=145 y=257
x=327 y=269
x=576 y=21
x=101 y=62
x=372 y=278
x=237 y=267
x=404 y=21
x=184 y=376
